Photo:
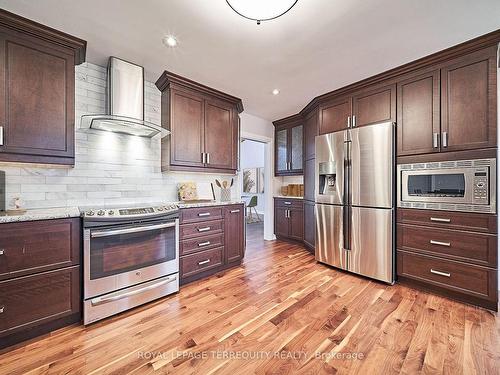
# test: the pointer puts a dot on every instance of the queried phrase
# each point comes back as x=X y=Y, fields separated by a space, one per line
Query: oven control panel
x=130 y=212
x=481 y=186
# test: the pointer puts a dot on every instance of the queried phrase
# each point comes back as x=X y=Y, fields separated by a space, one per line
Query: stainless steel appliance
x=125 y=103
x=462 y=185
x=355 y=200
x=131 y=256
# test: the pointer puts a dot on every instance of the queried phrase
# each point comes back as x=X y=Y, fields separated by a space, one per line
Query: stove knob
x=111 y=212
x=160 y=208
x=100 y=213
x=89 y=213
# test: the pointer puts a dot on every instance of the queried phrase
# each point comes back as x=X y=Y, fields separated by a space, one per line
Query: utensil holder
x=225 y=194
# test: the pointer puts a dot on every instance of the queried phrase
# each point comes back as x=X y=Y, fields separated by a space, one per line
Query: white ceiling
x=319 y=46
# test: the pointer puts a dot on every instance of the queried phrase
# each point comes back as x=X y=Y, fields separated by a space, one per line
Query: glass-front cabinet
x=289 y=146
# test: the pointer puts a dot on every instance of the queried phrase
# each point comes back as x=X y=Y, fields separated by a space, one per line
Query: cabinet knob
x=2 y=251
x=2 y=309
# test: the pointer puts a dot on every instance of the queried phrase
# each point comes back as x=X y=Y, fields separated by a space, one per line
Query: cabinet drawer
x=464 y=278
x=200 y=229
x=195 y=245
x=190 y=215
x=479 y=248
x=289 y=203
x=33 y=300
x=202 y=261
x=448 y=219
x=31 y=247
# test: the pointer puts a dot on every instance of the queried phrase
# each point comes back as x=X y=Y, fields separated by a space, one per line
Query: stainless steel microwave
x=462 y=185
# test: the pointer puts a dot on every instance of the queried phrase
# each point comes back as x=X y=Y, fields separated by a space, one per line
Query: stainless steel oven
x=131 y=256
x=462 y=185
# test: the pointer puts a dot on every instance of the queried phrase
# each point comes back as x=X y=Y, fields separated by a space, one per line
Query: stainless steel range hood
x=125 y=103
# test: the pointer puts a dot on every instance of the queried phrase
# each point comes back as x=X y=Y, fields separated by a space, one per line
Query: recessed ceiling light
x=276 y=92
x=170 y=41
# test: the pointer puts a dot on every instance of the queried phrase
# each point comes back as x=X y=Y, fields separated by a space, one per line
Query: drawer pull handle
x=287 y=203
x=447 y=244
x=202 y=214
x=204 y=262
x=2 y=309
x=2 y=251
x=204 y=244
x=235 y=211
x=204 y=229
x=440 y=220
x=445 y=274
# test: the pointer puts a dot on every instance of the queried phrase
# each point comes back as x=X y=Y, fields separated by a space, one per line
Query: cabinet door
x=468 y=102
x=309 y=172
x=234 y=233
x=220 y=135
x=418 y=114
x=296 y=148
x=335 y=115
x=281 y=156
x=280 y=221
x=374 y=106
x=309 y=225
x=296 y=224
x=30 y=301
x=36 y=101
x=187 y=129
x=310 y=133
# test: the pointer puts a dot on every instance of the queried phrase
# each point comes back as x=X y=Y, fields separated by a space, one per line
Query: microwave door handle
x=115 y=232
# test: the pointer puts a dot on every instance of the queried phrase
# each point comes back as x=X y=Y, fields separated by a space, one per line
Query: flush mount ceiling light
x=276 y=92
x=261 y=10
x=169 y=41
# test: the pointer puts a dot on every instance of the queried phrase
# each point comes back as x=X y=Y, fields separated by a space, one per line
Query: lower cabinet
x=450 y=253
x=309 y=226
x=40 y=287
x=211 y=239
x=289 y=218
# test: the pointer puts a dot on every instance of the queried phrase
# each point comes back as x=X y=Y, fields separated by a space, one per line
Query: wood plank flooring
x=279 y=313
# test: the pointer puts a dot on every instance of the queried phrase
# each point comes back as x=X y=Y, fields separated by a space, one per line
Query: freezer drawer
x=330 y=235
x=372 y=165
x=372 y=247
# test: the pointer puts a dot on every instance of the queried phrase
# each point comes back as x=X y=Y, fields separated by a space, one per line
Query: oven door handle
x=115 y=232
x=115 y=297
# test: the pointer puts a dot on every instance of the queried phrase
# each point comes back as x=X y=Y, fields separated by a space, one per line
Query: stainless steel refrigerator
x=355 y=201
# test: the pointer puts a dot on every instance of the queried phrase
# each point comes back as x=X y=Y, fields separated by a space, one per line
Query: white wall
x=252 y=154
x=109 y=168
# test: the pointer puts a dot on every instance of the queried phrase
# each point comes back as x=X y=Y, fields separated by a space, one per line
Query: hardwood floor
x=272 y=316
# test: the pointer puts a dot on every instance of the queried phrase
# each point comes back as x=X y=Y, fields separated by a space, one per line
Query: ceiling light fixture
x=261 y=10
x=276 y=92
x=170 y=41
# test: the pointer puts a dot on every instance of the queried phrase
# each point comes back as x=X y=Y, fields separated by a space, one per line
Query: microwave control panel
x=481 y=186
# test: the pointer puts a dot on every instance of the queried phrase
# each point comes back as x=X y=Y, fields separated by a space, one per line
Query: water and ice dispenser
x=327 y=178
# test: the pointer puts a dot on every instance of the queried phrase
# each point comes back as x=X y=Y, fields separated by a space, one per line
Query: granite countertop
x=287 y=197
x=42 y=214
x=207 y=204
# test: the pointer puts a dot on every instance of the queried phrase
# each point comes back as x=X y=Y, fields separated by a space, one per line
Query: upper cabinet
x=289 y=146
x=37 y=80
x=364 y=107
x=204 y=126
x=450 y=108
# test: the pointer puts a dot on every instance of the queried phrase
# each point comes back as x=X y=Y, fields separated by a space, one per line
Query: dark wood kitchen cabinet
x=311 y=130
x=451 y=108
x=37 y=91
x=309 y=225
x=418 y=113
x=204 y=126
x=212 y=239
x=469 y=102
x=289 y=218
x=289 y=146
x=40 y=277
x=335 y=115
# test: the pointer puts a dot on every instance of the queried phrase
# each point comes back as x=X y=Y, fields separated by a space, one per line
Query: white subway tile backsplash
x=110 y=168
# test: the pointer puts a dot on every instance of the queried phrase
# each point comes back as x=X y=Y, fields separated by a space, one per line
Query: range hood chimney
x=124 y=103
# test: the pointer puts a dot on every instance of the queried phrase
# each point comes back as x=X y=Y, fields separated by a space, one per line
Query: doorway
x=255 y=186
